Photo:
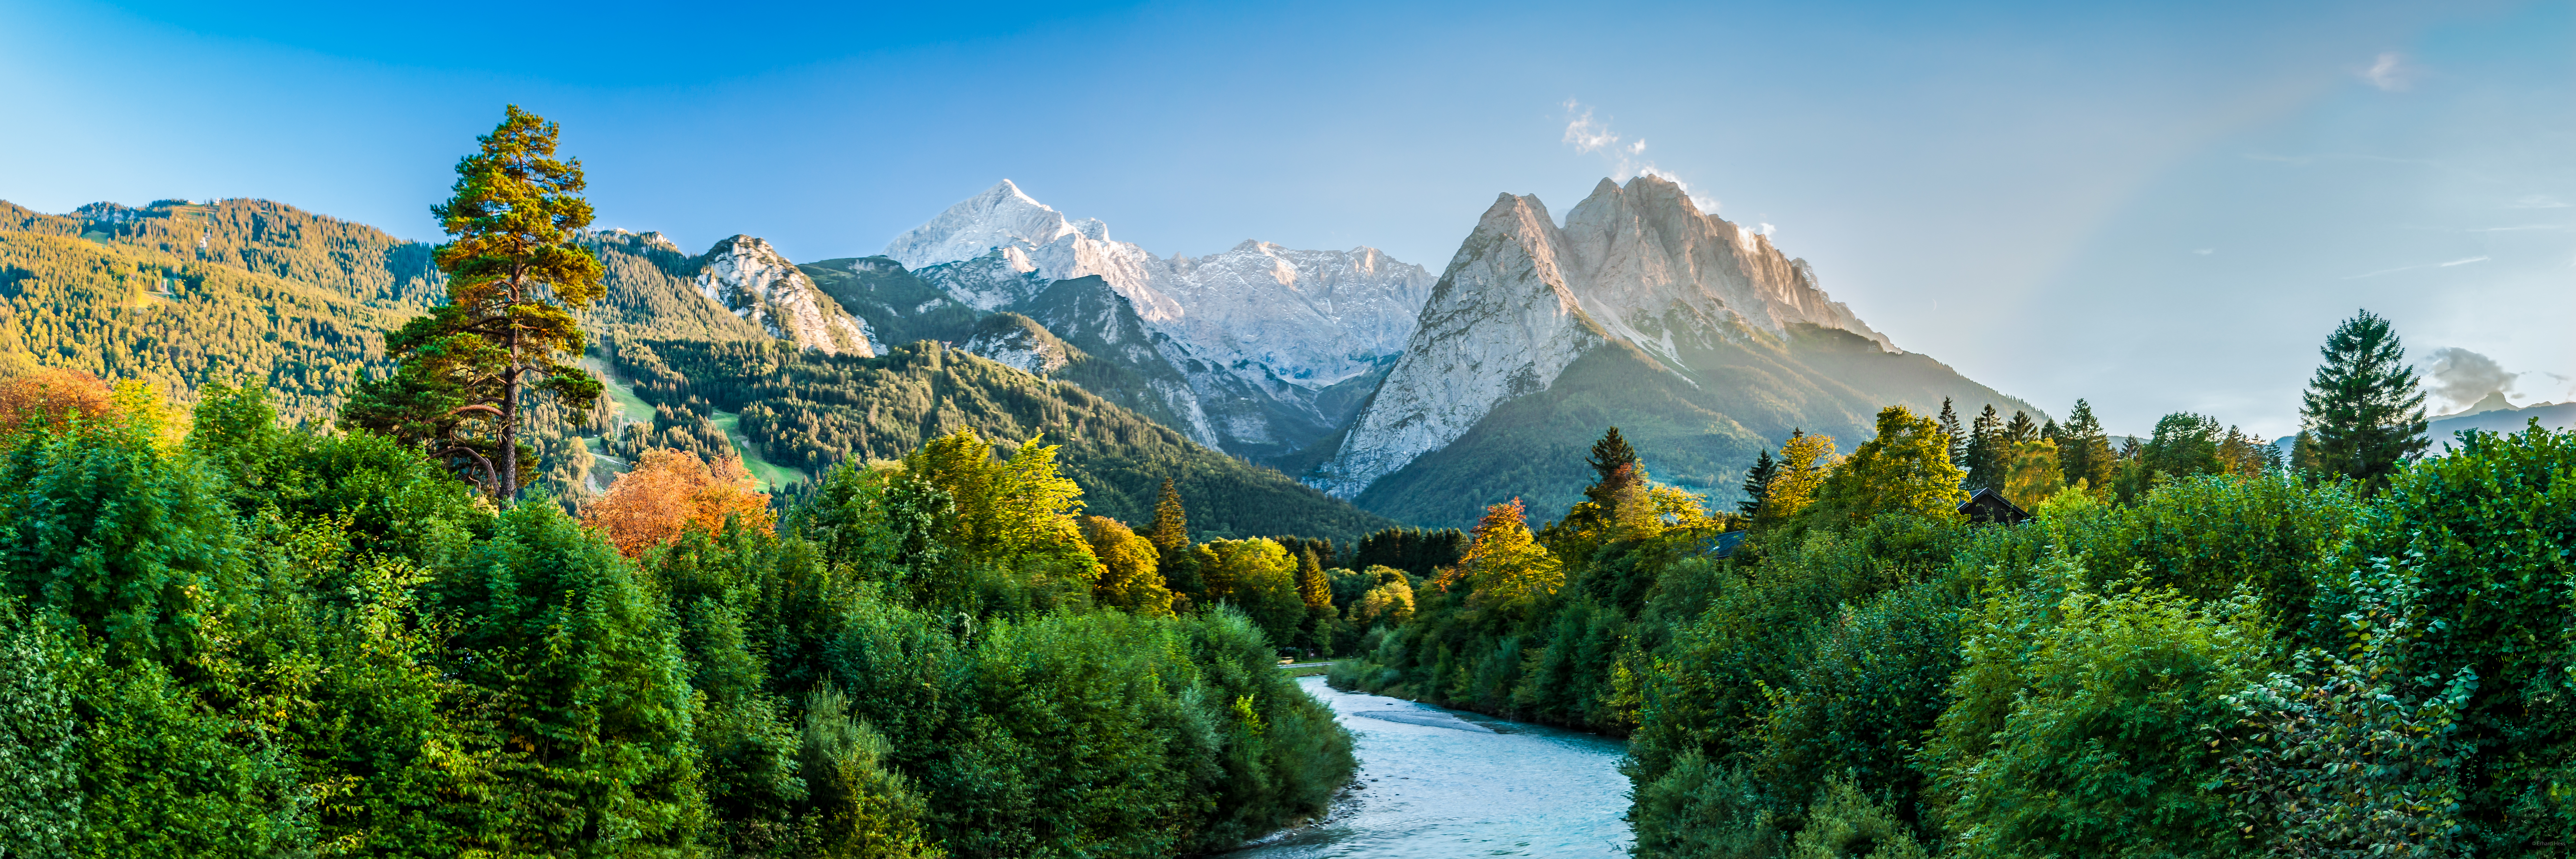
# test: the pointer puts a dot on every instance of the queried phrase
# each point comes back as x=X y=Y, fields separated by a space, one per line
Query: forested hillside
x=807 y=410
x=182 y=294
x=163 y=312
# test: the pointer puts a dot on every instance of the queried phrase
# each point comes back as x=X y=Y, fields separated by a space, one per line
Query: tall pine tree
x=1757 y=483
x=2363 y=407
x=515 y=275
x=1957 y=435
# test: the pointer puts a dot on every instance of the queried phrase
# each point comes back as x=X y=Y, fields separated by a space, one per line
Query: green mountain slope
x=1743 y=396
x=898 y=306
x=151 y=307
x=803 y=409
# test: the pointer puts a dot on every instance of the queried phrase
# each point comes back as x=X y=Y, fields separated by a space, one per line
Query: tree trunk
x=510 y=423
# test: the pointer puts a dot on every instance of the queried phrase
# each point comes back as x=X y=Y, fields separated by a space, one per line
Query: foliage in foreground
x=265 y=642
x=2230 y=664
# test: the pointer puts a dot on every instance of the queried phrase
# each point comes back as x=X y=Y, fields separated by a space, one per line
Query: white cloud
x=2204 y=251
x=2464 y=377
x=2389 y=72
x=1625 y=157
x=2537 y=201
x=2464 y=261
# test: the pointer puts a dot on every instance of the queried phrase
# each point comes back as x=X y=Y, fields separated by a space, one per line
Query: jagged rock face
x=1020 y=343
x=1256 y=332
x=749 y=277
x=1638 y=266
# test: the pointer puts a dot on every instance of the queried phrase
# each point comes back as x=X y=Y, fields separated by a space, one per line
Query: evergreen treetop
x=2363 y=406
x=1757 y=482
x=1171 y=529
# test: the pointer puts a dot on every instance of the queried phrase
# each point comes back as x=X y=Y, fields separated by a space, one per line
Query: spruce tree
x=515 y=275
x=1957 y=435
x=1757 y=483
x=1986 y=449
x=2084 y=451
x=2022 y=428
x=2363 y=405
x=1609 y=454
x=1171 y=529
x=1621 y=477
x=1170 y=535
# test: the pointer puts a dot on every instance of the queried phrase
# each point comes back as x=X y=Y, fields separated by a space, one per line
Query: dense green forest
x=808 y=410
x=2193 y=648
x=258 y=640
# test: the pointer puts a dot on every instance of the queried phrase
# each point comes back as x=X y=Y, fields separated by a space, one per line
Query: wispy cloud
x=1626 y=157
x=2537 y=201
x=2204 y=251
x=2389 y=72
x=2414 y=267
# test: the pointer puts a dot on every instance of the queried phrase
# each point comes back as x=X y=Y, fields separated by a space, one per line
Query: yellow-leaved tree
x=1804 y=460
x=1130 y=574
x=1505 y=568
x=1906 y=469
x=2034 y=473
x=1017 y=513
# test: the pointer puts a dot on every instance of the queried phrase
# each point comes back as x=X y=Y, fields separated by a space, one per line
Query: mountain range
x=1415 y=397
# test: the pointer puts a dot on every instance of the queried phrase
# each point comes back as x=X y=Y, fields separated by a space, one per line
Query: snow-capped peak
x=1000 y=216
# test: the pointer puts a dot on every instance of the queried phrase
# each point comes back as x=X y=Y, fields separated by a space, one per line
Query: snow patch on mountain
x=752 y=279
x=1257 y=329
x=1020 y=344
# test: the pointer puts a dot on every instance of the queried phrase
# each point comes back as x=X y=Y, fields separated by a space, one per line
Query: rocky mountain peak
x=1638 y=265
x=748 y=276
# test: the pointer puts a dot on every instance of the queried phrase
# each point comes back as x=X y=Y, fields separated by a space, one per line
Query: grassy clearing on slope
x=772 y=477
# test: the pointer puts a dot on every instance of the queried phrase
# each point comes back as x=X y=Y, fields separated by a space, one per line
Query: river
x=1442 y=783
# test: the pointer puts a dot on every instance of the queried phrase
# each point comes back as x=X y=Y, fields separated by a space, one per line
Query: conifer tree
x=1757 y=482
x=2022 y=428
x=2084 y=452
x=515 y=275
x=1987 y=445
x=1957 y=435
x=1316 y=590
x=1617 y=497
x=1171 y=529
x=1170 y=534
x=2363 y=405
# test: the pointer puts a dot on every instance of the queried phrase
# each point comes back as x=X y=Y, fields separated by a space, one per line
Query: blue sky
x=2160 y=207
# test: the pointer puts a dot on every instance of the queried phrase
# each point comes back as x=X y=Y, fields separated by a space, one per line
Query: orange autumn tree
x=670 y=490
x=49 y=397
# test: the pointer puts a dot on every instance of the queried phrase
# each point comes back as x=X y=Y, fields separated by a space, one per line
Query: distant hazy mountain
x=2497 y=415
x=2493 y=413
x=1272 y=347
x=1695 y=336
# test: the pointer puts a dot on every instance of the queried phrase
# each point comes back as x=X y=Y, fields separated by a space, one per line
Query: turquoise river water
x=1442 y=783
